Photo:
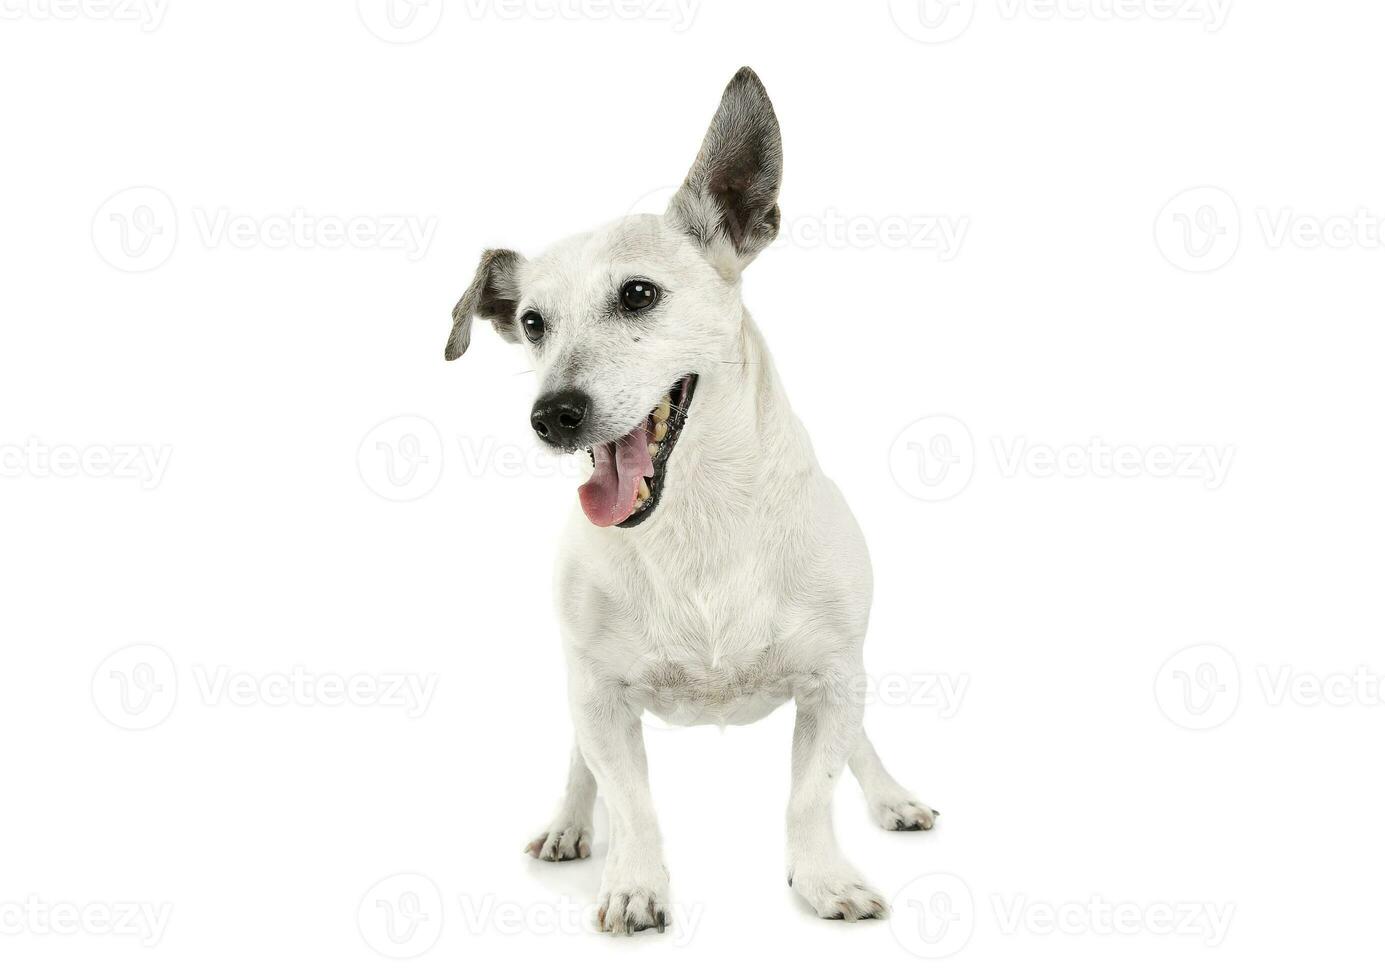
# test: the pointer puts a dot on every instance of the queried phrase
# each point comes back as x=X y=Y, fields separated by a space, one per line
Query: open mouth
x=629 y=476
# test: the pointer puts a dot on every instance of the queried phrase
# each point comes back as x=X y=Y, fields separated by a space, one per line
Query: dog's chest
x=712 y=650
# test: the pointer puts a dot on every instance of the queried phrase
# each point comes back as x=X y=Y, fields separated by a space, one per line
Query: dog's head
x=619 y=323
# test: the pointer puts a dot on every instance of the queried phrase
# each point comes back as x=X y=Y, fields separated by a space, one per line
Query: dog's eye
x=638 y=295
x=533 y=326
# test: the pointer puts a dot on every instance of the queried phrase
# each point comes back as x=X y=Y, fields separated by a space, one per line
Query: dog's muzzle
x=629 y=472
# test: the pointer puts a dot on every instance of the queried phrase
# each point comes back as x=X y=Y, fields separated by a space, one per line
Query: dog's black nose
x=558 y=417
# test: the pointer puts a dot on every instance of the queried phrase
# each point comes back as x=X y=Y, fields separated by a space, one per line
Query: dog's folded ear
x=729 y=202
x=493 y=295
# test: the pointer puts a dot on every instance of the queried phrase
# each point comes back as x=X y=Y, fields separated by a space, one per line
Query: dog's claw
x=626 y=913
x=560 y=844
x=903 y=815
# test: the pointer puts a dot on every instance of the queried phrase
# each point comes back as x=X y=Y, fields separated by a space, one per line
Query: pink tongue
x=609 y=496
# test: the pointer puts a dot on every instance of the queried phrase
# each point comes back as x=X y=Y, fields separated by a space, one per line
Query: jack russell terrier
x=711 y=572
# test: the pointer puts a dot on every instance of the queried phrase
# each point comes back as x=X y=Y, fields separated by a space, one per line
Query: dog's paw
x=839 y=893
x=903 y=815
x=565 y=842
x=627 y=907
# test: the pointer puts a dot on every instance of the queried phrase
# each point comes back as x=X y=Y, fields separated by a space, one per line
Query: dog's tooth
x=660 y=430
x=642 y=491
x=661 y=413
x=654 y=448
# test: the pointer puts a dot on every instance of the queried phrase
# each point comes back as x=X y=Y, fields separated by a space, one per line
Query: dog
x=711 y=571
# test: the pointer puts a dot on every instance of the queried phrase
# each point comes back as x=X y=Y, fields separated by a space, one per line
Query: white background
x=286 y=531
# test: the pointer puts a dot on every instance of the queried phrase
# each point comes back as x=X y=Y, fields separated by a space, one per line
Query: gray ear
x=730 y=200
x=493 y=295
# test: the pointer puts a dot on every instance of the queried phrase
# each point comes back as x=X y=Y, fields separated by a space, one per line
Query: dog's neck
x=741 y=455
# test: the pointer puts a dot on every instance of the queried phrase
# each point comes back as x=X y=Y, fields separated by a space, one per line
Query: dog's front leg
x=634 y=885
x=826 y=729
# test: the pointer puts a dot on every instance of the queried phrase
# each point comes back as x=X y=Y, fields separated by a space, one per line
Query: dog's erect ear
x=730 y=200
x=493 y=295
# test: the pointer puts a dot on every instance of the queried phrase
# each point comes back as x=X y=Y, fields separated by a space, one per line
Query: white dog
x=712 y=571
